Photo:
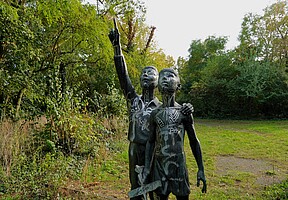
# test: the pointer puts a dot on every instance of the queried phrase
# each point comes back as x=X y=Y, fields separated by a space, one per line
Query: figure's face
x=168 y=82
x=149 y=78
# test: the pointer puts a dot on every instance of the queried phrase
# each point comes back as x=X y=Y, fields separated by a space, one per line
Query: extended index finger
x=115 y=24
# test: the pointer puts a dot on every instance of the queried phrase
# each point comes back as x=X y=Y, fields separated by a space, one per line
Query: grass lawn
x=242 y=159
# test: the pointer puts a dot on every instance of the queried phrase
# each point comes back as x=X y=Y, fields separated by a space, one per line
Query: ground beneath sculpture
x=263 y=173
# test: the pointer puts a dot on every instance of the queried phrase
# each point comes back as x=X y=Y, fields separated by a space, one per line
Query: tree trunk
x=19 y=100
x=62 y=71
x=149 y=39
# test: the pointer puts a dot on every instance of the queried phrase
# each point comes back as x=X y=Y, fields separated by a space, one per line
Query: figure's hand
x=201 y=177
x=114 y=35
x=142 y=174
x=145 y=176
x=187 y=109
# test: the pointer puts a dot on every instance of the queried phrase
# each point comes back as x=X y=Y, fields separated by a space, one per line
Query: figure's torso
x=139 y=118
x=169 y=131
x=170 y=163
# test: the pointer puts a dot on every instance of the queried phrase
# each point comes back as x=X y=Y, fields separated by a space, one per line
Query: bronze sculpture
x=165 y=157
x=139 y=107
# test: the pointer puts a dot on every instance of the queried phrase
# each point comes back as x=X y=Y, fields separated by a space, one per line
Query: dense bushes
x=253 y=89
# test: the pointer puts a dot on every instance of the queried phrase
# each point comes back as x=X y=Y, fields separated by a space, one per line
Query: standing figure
x=166 y=143
x=139 y=107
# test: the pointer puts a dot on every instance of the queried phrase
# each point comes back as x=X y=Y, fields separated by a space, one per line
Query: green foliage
x=61 y=152
x=205 y=75
x=40 y=178
x=249 y=81
x=71 y=130
x=24 y=174
x=53 y=49
x=251 y=89
x=200 y=52
x=266 y=36
x=260 y=88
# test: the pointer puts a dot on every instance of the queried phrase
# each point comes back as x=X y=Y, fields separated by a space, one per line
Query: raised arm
x=120 y=64
x=196 y=150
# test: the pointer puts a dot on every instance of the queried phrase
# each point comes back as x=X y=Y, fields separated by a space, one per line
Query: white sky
x=179 y=22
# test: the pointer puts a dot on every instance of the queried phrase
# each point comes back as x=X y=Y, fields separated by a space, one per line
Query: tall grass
x=16 y=137
x=33 y=165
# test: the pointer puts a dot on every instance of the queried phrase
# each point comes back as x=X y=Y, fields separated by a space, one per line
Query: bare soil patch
x=265 y=172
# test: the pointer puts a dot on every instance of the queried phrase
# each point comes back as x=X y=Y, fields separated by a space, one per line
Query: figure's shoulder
x=177 y=105
x=137 y=97
x=134 y=100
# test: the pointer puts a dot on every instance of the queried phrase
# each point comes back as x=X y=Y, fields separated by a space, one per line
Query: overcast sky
x=179 y=22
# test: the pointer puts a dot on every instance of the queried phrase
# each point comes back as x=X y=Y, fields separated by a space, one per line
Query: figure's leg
x=151 y=195
x=133 y=161
x=161 y=197
x=182 y=197
x=136 y=157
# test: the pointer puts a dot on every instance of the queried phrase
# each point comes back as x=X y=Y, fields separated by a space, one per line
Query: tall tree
x=266 y=36
x=47 y=39
x=200 y=52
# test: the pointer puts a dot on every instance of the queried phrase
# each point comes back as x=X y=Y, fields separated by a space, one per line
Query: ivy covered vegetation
x=60 y=101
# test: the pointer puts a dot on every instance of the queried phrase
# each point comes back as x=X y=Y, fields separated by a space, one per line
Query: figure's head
x=149 y=77
x=169 y=81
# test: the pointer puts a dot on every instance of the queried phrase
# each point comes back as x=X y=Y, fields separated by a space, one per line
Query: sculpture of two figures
x=157 y=163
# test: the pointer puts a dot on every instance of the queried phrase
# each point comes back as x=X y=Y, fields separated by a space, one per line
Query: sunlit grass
x=266 y=141
x=258 y=140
